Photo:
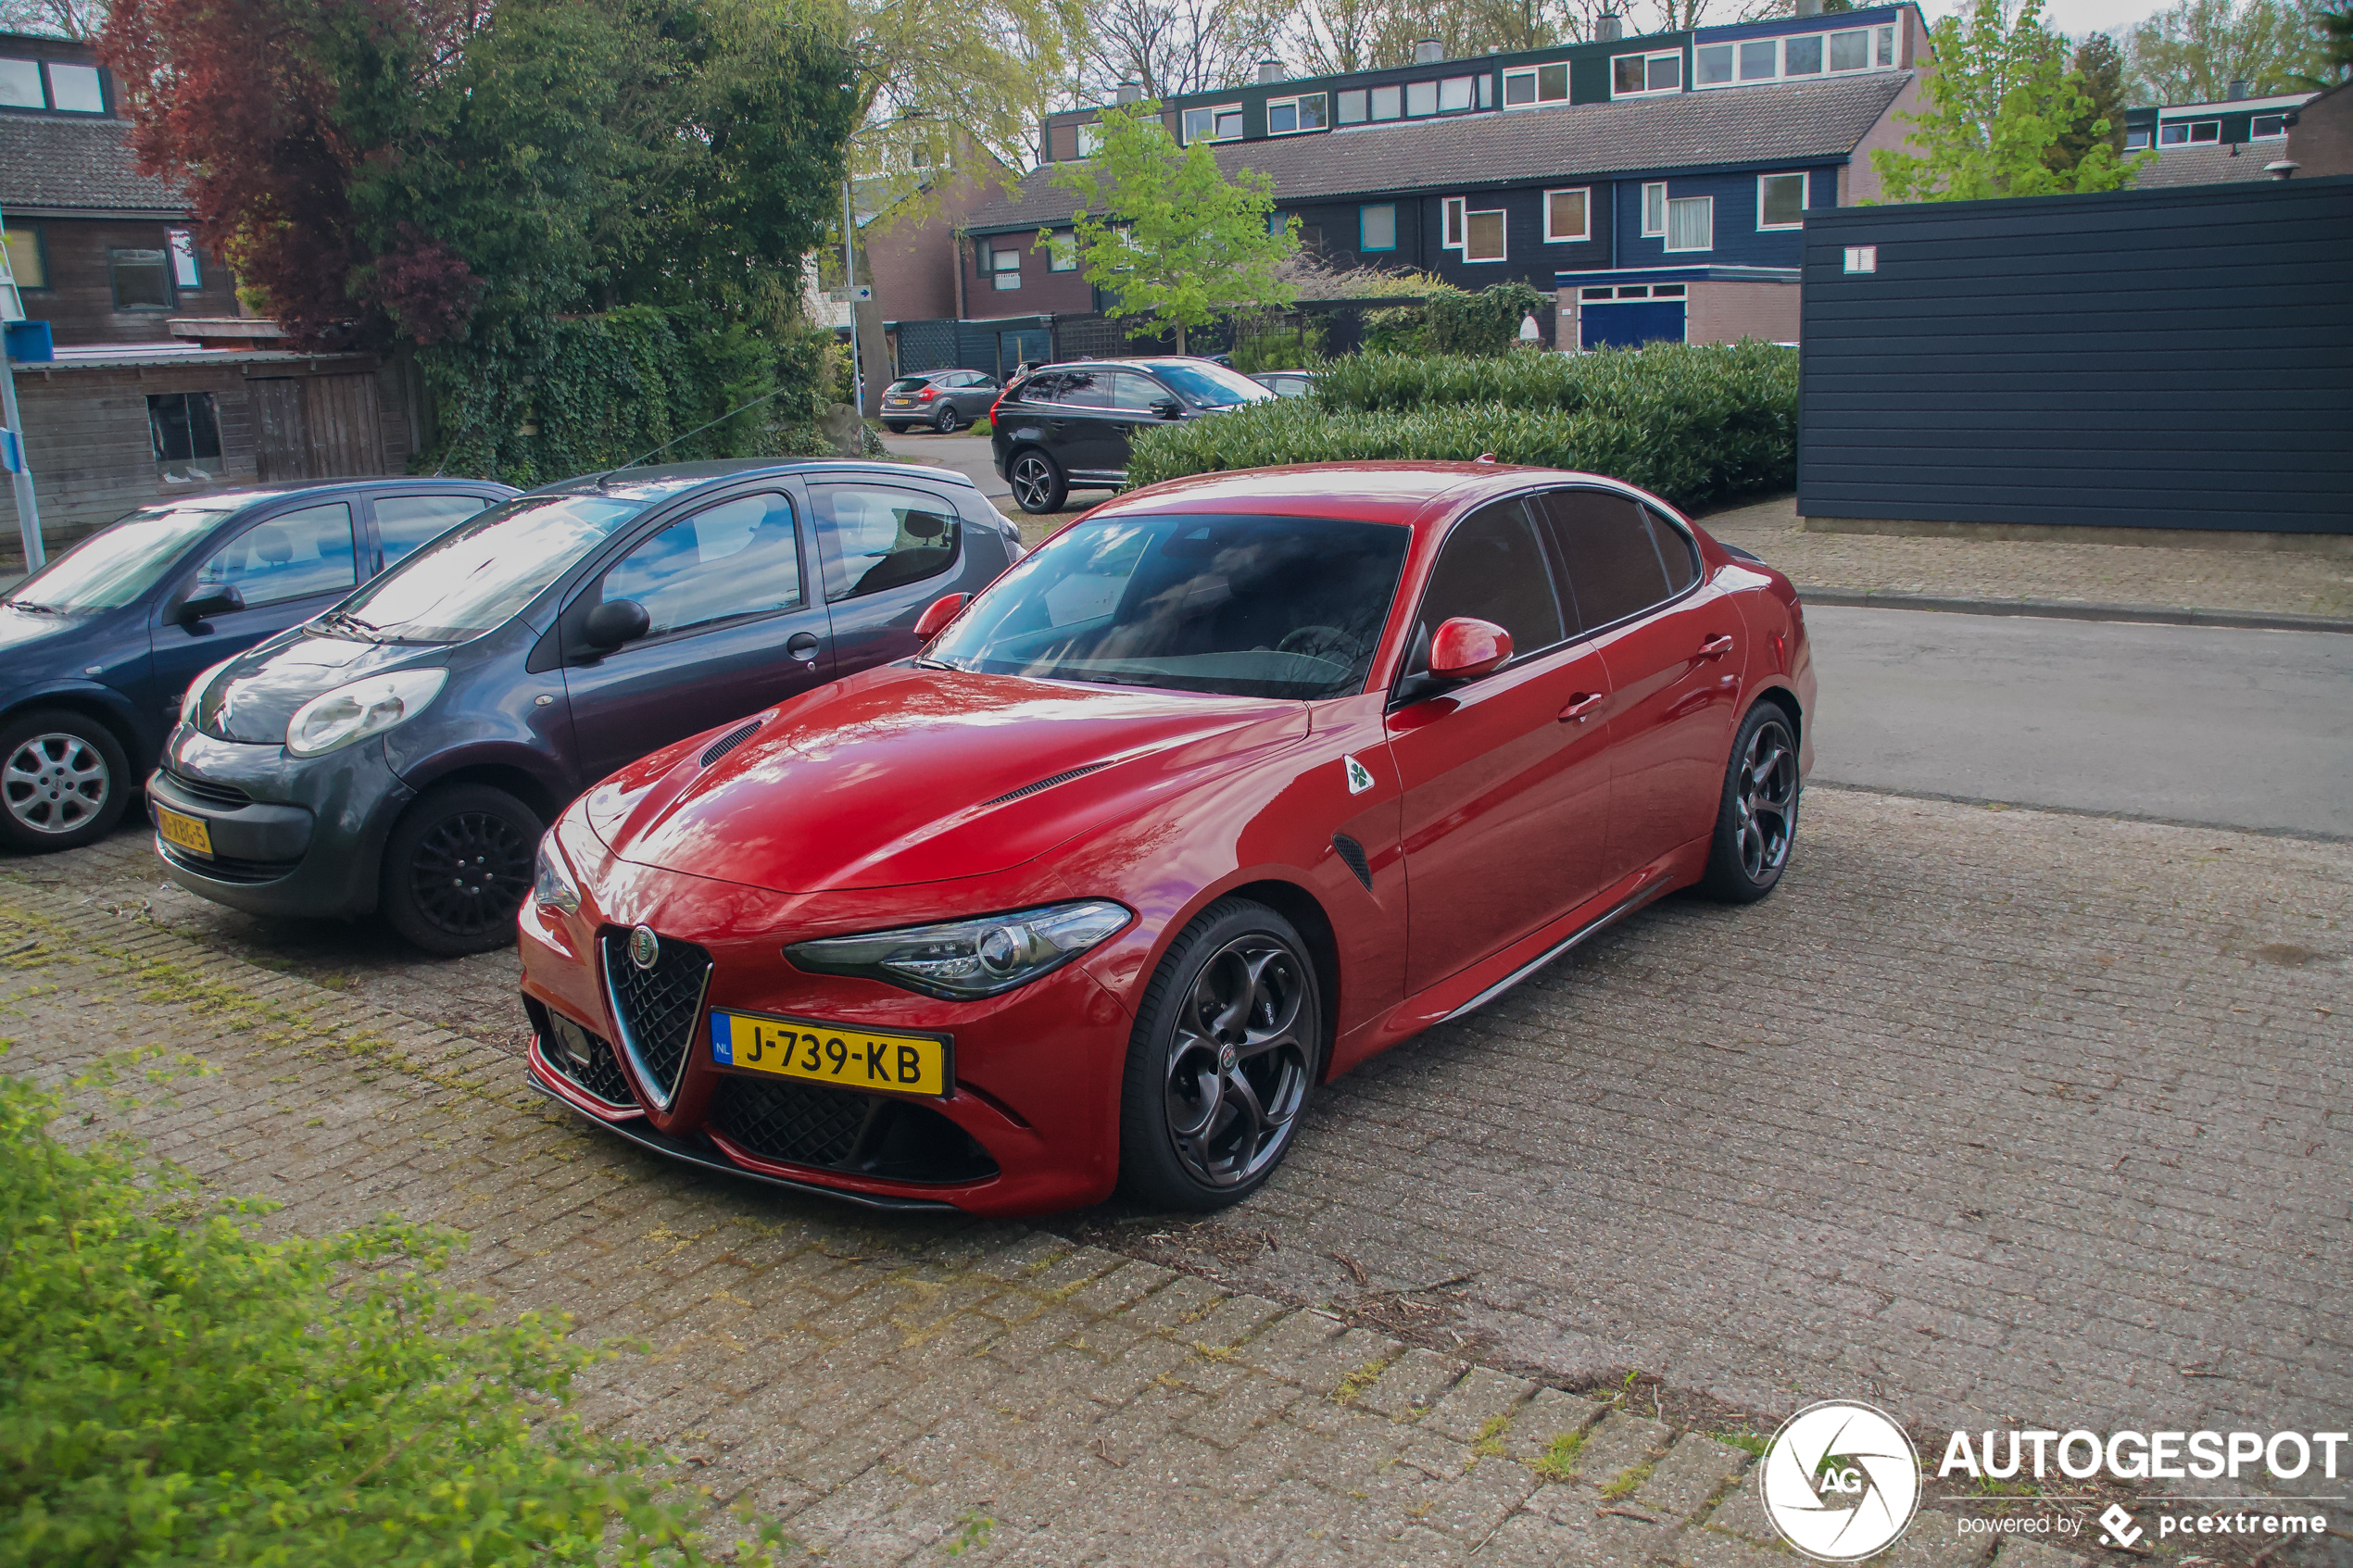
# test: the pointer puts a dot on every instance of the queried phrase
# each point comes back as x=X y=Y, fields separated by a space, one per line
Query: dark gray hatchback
x=404 y=750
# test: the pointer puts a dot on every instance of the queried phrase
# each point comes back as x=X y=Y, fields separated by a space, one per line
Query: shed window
x=1288 y=116
x=141 y=280
x=1376 y=227
x=185 y=426
x=2189 y=131
x=1221 y=123
x=1540 y=84
x=76 y=89
x=2135 y=141
x=1691 y=223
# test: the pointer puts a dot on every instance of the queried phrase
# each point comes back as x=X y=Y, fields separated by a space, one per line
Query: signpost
x=20 y=470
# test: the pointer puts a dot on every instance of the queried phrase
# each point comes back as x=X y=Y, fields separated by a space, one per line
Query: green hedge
x=1693 y=423
x=175 y=1389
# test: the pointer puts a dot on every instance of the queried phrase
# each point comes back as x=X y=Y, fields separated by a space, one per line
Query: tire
x=458 y=866
x=1037 y=482
x=896 y=427
x=1173 y=1152
x=1756 y=818
x=64 y=781
x=945 y=421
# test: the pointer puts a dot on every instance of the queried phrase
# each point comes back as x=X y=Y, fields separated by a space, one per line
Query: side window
x=1137 y=394
x=1614 y=567
x=875 y=537
x=1494 y=568
x=737 y=559
x=1046 y=388
x=1676 y=552
x=1085 y=389
x=403 y=522
x=293 y=556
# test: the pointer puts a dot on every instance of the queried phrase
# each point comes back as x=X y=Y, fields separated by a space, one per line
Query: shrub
x=1692 y=424
x=175 y=1389
x=1485 y=322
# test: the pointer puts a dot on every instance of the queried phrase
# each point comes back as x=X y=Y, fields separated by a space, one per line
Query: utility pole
x=849 y=296
x=28 y=514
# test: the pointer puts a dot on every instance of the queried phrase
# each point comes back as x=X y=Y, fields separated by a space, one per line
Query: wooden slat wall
x=78 y=302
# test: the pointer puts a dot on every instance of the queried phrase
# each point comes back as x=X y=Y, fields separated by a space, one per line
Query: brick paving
x=1995 y=1116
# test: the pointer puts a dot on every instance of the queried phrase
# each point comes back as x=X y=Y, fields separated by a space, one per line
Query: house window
x=2267 y=125
x=1568 y=216
x=1376 y=227
x=1061 y=252
x=25 y=259
x=1388 y=103
x=1851 y=51
x=1090 y=140
x=1886 y=36
x=1454 y=93
x=182 y=245
x=1781 y=201
x=1421 y=97
x=1691 y=223
x=1538 y=84
x=1483 y=236
x=185 y=426
x=1351 y=107
x=1712 y=67
x=1221 y=123
x=1653 y=210
x=1454 y=207
x=1286 y=116
x=1487 y=92
x=76 y=89
x=1667 y=290
x=1630 y=74
x=141 y=280
x=20 y=85
x=2182 y=132
x=1802 y=56
x=1003 y=266
x=2135 y=141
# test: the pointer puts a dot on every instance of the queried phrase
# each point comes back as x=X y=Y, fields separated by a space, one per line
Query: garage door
x=1629 y=315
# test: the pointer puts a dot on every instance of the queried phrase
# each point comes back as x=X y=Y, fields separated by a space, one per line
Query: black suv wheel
x=1037 y=482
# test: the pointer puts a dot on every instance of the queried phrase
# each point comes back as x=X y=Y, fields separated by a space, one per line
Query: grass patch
x=1558 y=1461
x=1629 y=1484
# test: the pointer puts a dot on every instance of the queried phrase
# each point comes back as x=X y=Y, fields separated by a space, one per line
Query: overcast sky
x=2074 y=18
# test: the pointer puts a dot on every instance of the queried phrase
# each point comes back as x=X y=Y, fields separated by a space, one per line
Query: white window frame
x=1453 y=224
x=1803 y=191
x=1535 y=75
x=1821 y=41
x=1878 y=41
x=1667 y=239
x=1295 y=103
x=2189 y=129
x=1731 y=53
x=1503 y=227
x=1001 y=278
x=1553 y=236
x=1647 y=91
x=1215 y=113
x=1830 y=51
x=1654 y=231
x=2255 y=135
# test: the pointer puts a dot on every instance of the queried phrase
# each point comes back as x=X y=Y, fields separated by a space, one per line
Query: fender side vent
x=1354 y=853
x=729 y=741
x=1043 y=784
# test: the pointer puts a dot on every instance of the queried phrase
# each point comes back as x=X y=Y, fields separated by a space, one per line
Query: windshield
x=116 y=565
x=1243 y=606
x=1205 y=386
x=476 y=575
x=907 y=383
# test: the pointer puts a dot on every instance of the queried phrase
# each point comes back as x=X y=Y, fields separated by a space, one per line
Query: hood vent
x=1043 y=784
x=729 y=741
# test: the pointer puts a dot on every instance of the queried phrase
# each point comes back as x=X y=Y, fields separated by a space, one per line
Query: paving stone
x=2033 y=1555
x=1411 y=1384
x=1550 y=1414
x=1695 y=1469
x=1615 y=1445
x=1483 y=1395
x=1934 y=1540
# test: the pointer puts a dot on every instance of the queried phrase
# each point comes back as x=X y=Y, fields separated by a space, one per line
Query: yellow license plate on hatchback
x=839 y=1054
x=189 y=833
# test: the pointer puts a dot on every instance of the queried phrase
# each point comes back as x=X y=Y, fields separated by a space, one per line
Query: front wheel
x=63 y=779
x=457 y=868
x=1756 y=820
x=1037 y=482
x=1221 y=1060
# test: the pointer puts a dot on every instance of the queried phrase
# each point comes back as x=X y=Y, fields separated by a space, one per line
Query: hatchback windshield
x=476 y=575
x=1244 y=606
x=115 y=565
x=1207 y=386
x=907 y=383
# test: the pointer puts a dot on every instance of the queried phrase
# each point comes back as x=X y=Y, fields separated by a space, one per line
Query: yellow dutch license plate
x=830 y=1053
x=189 y=833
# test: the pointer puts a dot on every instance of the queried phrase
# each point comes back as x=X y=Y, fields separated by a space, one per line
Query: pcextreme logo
x=1841 y=1481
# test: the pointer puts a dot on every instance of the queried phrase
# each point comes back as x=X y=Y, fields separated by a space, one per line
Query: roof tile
x=50 y=162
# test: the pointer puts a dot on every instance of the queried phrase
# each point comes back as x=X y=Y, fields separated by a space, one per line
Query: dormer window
x=60 y=86
x=1634 y=75
x=1222 y=123
x=1538 y=84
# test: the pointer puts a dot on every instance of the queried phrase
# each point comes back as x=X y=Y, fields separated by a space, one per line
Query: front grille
x=226 y=867
x=841 y=1130
x=587 y=1060
x=227 y=796
x=658 y=1008
x=728 y=741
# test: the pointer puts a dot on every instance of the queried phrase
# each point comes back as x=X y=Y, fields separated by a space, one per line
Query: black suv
x=1066 y=427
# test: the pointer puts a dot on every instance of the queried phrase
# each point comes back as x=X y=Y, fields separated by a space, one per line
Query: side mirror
x=1170 y=409
x=616 y=622
x=207 y=603
x=938 y=614
x=1465 y=647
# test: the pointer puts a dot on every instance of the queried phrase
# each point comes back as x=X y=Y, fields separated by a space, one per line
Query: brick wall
x=1726 y=312
x=911 y=253
x=1042 y=289
x=1858 y=180
x=2321 y=139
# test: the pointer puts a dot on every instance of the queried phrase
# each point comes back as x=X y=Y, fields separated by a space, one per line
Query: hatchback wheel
x=1757 y=821
x=458 y=866
x=1037 y=482
x=63 y=781
x=896 y=427
x=1221 y=1062
x=945 y=421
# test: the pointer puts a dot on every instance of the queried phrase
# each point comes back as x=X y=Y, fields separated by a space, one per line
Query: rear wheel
x=63 y=781
x=1037 y=482
x=458 y=866
x=1221 y=1062
x=1756 y=820
x=945 y=421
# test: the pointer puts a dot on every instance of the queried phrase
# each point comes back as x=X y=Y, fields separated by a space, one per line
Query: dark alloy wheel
x=1756 y=822
x=63 y=781
x=457 y=868
x=1222 y=1061
x=1037 y=482
x=945 y=421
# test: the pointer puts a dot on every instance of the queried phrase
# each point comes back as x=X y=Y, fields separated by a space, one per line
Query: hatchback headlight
x=189 y=703
x=551 y=883
x=349 y=713
x=967 y=959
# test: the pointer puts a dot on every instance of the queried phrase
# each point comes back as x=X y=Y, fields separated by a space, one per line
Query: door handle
x=1715 y=647
x=802 y=645
x=1580 y=706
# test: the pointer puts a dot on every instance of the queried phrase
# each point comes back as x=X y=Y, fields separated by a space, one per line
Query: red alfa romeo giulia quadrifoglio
x=1232 y=784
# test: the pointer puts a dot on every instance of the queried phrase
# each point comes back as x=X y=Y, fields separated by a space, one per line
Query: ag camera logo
x=1841 y=1481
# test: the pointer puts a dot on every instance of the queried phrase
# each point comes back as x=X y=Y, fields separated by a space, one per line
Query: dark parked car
x=1287 y=384
x=1066 y=427
x=405 y=750
x=96 y=647
x=946 y=400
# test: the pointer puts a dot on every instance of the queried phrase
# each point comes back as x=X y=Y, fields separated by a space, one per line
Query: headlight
x=551 y=883
x=961 y=960
x=336 y=719
x=196 y=690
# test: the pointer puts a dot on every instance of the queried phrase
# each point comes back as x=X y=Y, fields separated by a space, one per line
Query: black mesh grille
x=1354 y=853
x=658 y=1008
x=842 y=1129
x=205 y=790
x=589 y=1062
x=226 y=867
x=728 y=741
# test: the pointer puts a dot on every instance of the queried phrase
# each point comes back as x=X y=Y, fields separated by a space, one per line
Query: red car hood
x=903 y=775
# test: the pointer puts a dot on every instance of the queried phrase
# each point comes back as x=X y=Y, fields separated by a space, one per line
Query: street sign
x=863 y=293
x=11 y=451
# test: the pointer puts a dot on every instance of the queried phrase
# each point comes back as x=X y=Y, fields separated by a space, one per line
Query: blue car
x=97 y=647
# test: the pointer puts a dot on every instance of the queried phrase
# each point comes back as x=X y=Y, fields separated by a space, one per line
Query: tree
x=932 y=75
x=2329 y=58
x=2193 y=52
x=1162 y=227
x=1997 y=105
x=1172 y=48
x=2099 y=69
x=64 y=19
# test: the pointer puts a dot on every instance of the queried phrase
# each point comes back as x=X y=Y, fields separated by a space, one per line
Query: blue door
x=1629 y=323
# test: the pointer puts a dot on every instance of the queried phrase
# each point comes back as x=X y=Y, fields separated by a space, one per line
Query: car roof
x=658 y=481
x=245 y=496
x=1415 y=494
